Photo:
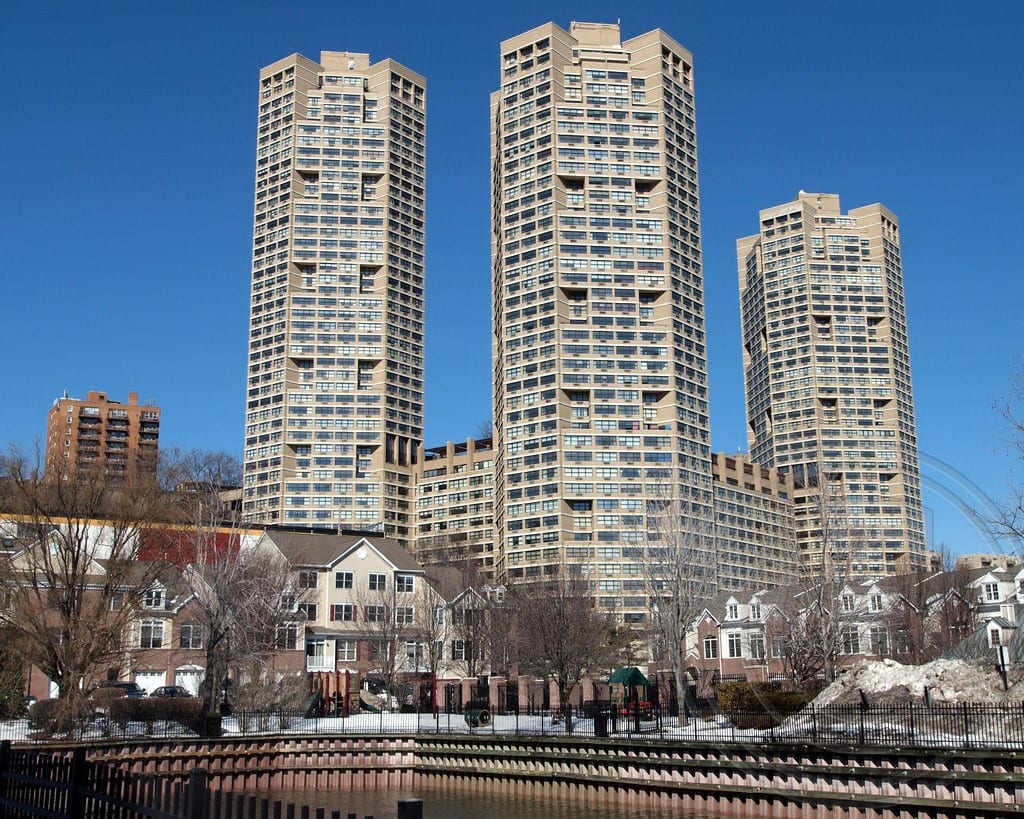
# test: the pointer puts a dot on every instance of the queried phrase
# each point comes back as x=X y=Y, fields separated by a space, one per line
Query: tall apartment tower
x=99 y=432
x=600 y=368
x=827 y=375
x=334 y=410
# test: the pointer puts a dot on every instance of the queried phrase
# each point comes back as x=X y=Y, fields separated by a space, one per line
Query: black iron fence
x=964 y=725
x=64 y=784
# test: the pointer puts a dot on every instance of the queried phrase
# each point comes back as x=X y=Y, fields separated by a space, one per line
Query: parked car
x=170 y=691
x=126 y=689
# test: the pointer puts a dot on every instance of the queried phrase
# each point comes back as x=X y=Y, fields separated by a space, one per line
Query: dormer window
x=153 y=599
x=990 y=592
x=755 y=611
x=846 y=602
x=875 y=602
x=732 y=611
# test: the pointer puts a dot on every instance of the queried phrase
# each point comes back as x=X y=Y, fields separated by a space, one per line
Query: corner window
x=404 y=583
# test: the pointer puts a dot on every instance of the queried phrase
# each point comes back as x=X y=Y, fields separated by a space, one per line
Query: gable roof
x=323 y=550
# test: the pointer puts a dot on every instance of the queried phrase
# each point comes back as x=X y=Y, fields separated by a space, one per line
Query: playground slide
x=369 y=702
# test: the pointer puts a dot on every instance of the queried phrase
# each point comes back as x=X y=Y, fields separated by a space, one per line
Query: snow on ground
x=947 y=681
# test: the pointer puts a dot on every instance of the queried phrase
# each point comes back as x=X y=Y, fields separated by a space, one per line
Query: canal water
x=439 y=803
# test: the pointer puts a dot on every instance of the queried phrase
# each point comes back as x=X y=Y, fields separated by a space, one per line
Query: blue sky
x=128 y=144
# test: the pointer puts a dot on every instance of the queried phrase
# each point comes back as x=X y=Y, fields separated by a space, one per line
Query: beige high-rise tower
x=827 y=372
x=334 y=410
x=600 y=371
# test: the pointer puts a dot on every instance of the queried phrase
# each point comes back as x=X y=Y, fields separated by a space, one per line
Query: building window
x=879 y=641
x=151 y=634
x=375 y=614
x=346 y=651
x=191 y=636
x=711 y=647
x=875 y=602
x=404 y=615
x=343 y=612
x=380 y=651
x=404 y=582
x=307 y=611
x=116 y=601
x=990 y=593
x=308 y=579
x=343 y=580
x=288 y=601
x=778 y=647
x=316 y=652
x=732 y=611
x=153 y=599
x=757 y=646
x=378 y=581
x=846 y=603
x=735 y=644
x=851 y=640
x=755 y=611
x=458 y=649
x=995 y=637
x=286 y=637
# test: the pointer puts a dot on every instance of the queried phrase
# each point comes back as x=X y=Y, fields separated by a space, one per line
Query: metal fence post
x=5 y=764
x=77 y=784
x=197 y=794
x=967 y=725
x=410 y=809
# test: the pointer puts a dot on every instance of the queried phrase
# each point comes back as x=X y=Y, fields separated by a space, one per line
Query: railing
x=64 y=784
x=965 y=725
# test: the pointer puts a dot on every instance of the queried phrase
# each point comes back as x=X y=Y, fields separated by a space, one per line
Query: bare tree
x=245 y=602
x=72 y=592
x=930 y=613
x=1009 y=522
x=471 y=627
x=561 y=634
x=814 y=628
x=679 y=565
x=244 y=599
x=387 y=626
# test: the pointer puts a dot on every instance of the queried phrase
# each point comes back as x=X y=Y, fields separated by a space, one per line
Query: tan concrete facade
x=827 y=375
x=334 y=409
x=755 y=535
x=98 y=431
x=454 y=492
x=600 y=372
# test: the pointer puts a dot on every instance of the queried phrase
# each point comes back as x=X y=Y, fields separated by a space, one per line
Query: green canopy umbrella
x=628 y=676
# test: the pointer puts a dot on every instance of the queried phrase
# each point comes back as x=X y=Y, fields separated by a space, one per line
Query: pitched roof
x=324 y=550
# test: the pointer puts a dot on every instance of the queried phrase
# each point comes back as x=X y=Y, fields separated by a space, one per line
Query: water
x=440 y=803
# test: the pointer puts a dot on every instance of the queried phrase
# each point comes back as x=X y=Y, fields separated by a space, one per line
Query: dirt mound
x=947 y=681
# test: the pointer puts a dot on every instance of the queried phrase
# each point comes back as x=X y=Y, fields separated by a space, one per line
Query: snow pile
x=947 y=681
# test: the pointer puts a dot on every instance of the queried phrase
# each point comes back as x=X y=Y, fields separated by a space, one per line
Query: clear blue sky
x=128 y=144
